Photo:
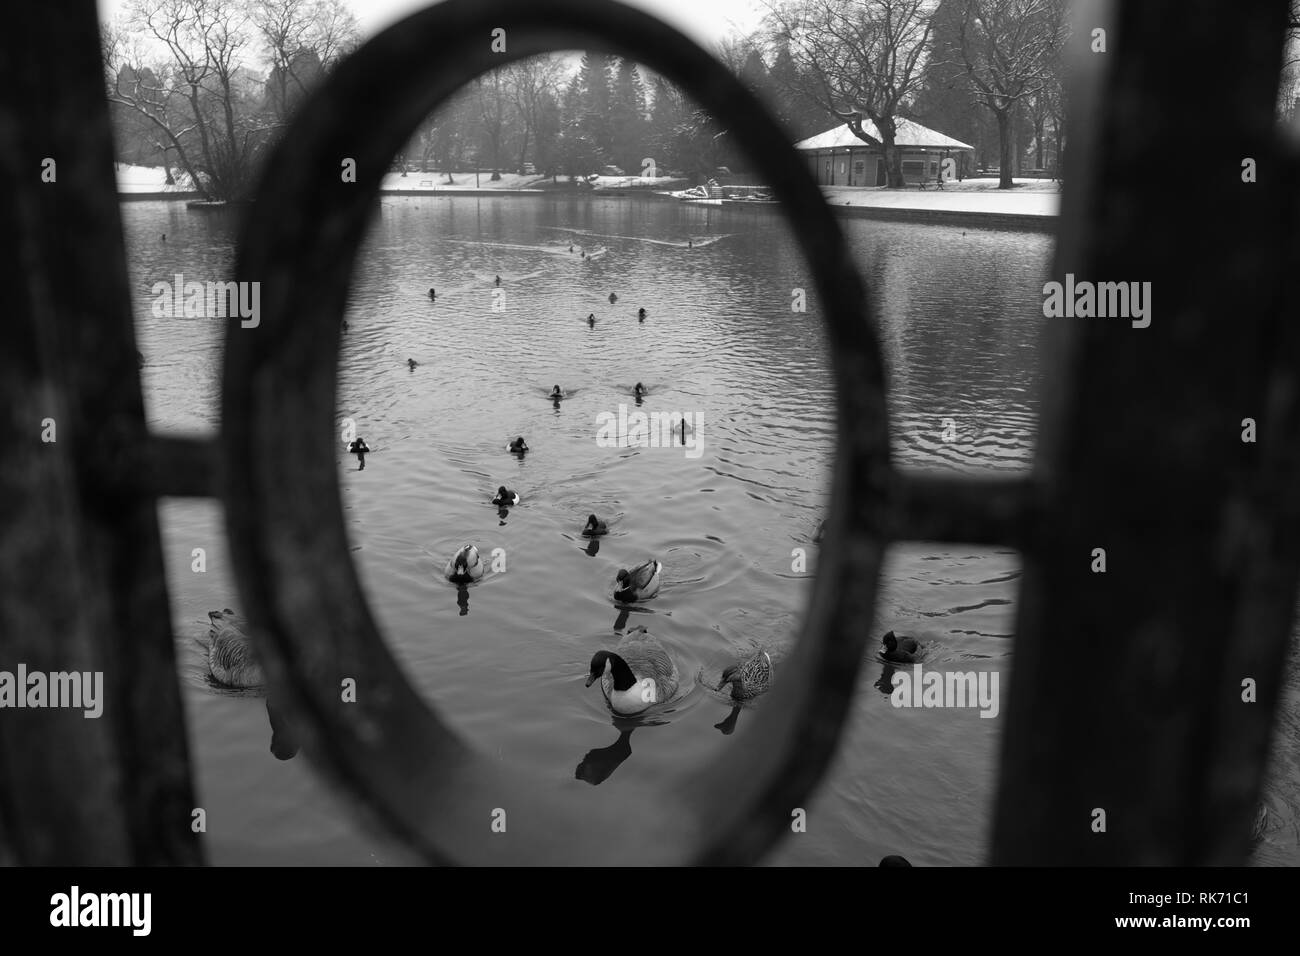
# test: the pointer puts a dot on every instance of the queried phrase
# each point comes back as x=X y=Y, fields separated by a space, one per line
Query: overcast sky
x=705 y=21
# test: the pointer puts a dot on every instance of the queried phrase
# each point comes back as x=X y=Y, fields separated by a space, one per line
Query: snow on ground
x=147 y=179
x=1031 y=197
x=437 y=182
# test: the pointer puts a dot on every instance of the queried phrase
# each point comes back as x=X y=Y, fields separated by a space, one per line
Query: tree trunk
x=1004 y=138
x=893 y=157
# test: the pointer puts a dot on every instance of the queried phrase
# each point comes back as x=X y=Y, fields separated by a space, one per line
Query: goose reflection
x=620 y=622
x=284 y=741
x=593 y=547
x=600 y=762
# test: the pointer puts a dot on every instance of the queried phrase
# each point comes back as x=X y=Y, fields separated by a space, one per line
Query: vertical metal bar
x=81 y=572
x=1126 y=695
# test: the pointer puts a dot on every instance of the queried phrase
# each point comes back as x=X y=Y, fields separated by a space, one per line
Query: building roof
x=908 y=134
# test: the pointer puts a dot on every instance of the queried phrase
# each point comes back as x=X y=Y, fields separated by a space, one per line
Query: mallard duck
x=518 y=446
x=750 y=677
x=901 y=650
x=639 y=584
x=231 y=658
x=637 y=674
x=498 y=280
x=612 y=298
x=557 y=393
x=432 y=294
x=640 y=315
x=465 y=566
x=591 y=320
x=505 y=497
x=411 y=364
x=594 y=527
x=638 y=390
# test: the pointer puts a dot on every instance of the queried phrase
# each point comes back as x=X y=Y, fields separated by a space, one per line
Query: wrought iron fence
x=1139 y=453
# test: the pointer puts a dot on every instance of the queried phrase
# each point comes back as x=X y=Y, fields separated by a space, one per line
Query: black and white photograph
x=608 y=434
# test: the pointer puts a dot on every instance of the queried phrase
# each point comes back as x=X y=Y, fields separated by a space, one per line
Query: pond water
x=505 y=659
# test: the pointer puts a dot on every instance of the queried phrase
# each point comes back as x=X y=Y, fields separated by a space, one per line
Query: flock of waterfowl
x=635 y=675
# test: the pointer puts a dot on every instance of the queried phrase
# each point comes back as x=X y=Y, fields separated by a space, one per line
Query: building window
x=913 y=168
x=859 y=167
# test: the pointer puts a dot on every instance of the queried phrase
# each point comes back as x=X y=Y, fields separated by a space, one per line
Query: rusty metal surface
x=81 y=575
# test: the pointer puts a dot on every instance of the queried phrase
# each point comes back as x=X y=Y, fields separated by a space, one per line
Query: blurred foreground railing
x=1127 y=685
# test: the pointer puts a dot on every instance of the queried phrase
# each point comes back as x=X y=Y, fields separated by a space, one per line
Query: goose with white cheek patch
x=636 y=675
x=638 y=584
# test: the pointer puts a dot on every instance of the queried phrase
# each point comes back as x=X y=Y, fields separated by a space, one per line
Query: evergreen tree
x=628 y=125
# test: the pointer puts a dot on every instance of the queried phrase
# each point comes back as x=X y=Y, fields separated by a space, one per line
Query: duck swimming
x=518 y=446
x=498 y=280
x=639 y=584
x=640 y=315
x=505 y=497
x=360 y=449
x=465 y=566
x=432 y=294
x=638 y=390
x=637 y=674
x=901 y=650
x=594 y=527
x=557 y=393
x=591 y=320
x=750 y=677
x=411 y=364
x=231 y=659
x=612 y=298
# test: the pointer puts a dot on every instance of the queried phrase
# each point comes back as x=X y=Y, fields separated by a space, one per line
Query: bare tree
x=858 y=60
x=198 y=93
x=532 y=83
x=1010 y=50
x=304 y=38
x=150 y=91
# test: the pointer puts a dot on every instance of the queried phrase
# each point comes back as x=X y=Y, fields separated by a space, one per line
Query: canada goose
x=637 y=674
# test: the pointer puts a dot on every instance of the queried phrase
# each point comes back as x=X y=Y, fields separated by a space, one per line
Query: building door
x=882 y=178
